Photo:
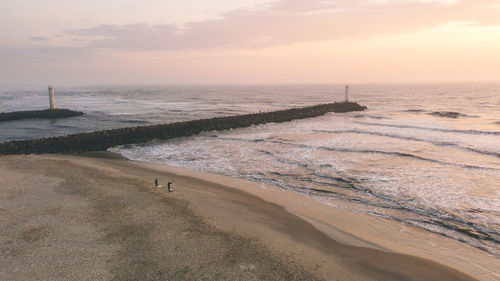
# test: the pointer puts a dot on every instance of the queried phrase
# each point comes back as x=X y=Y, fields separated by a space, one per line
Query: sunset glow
x=287 y=41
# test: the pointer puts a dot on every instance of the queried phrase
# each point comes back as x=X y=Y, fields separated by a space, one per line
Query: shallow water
x=397 y=160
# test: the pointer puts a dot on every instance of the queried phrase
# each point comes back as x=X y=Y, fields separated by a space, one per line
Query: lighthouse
x=51 y=98
x=346 y=93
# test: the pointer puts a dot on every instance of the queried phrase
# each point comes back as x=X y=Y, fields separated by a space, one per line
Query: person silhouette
x=157 y=184
x=169 y=187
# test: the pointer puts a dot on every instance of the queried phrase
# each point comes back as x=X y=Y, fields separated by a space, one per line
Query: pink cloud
x=292 y=21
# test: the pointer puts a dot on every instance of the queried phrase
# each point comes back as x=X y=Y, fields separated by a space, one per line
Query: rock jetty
x=46 y=113
x=102 y=140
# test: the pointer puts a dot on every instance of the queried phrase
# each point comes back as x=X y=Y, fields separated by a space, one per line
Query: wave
x=479 y=239
x=343 y=181
x=447 y=114
x=395 y=153
x=406 y=155
x=369 y=116
x=468 y=132
x=415 y=110
x=438 y=143
x=340 y=181
x=426 y=216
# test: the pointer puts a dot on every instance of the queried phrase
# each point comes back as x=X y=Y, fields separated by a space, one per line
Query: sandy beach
x=99 y=217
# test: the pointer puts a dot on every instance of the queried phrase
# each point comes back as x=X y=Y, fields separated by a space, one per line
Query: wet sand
x=92 y=218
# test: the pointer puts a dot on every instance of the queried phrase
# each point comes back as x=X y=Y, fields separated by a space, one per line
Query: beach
x=303 y=140
x=99 y=217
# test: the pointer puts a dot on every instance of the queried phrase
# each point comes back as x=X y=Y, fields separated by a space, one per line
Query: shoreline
x=368 y=231
x=319 y=239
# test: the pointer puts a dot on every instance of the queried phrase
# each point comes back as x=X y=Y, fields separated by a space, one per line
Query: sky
x=109 y=42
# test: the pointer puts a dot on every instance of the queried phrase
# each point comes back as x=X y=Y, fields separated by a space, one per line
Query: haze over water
x=401 y=159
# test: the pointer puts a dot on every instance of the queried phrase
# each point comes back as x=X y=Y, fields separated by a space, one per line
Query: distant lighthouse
x=51 y=98
x=346 y=93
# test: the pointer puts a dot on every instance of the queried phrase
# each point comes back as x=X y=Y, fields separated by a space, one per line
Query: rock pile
x=46 y=113
x=102 y=140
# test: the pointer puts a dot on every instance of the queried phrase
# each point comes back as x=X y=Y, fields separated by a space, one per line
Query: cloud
x=40 y=53
x=38 y=38
x=292 y=21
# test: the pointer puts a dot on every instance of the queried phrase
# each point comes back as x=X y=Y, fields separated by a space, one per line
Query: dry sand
x=90 y=218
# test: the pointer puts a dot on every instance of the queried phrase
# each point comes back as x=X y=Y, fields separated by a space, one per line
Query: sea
x=427 y=155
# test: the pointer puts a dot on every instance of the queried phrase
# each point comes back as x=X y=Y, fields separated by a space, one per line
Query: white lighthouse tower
x=346 y=93
x=51 y=98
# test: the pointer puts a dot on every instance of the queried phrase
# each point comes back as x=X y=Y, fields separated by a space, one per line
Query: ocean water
x=404 y=159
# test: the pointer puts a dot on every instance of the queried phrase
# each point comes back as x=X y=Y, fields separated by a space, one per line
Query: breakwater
x=46 y=113
x=102 y=140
